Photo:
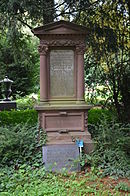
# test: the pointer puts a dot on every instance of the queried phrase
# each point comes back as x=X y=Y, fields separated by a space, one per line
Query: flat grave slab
x=60 y=157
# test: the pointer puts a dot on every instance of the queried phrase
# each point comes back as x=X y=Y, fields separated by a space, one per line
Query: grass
x=33 y=181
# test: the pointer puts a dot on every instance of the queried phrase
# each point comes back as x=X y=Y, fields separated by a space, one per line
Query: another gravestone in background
x=62 y=110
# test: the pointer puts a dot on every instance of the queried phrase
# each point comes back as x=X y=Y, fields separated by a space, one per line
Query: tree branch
x=25 y=23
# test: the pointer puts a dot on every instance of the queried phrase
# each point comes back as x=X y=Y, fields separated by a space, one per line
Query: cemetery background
x=107 y=81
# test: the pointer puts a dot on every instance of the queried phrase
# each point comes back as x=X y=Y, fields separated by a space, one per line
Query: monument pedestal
x=65 y=123
x=7 y=105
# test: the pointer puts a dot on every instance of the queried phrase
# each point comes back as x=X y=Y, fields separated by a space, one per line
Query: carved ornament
x=42 y=49
x=62 y=42
x=86 y=121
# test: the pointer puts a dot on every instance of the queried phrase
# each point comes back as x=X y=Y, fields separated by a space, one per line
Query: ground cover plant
x=33 y=181
x=112 y=148
x=20 y=144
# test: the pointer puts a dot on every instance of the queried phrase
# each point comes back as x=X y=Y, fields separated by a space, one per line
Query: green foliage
x=111 y=139
x=95 y=115
x=107 y=57
x=16 y=117
x=19 y=144
x=20 y=59
x=112 y=147
x=36 y=181
x=123 y=186
x=27 y=102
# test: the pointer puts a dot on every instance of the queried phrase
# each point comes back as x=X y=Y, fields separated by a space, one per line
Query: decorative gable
x=60 y=27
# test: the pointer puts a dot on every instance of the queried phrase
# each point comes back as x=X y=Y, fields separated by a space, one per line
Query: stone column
x=43 y=72
x=80 y=49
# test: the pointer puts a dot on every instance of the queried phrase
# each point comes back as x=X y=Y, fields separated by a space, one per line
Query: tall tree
x=109 y=43
x=18 y=56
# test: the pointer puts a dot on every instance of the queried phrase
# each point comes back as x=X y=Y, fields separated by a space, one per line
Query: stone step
x=59 y=142
x=88 y=144
x=72 y=136
x=81 y=135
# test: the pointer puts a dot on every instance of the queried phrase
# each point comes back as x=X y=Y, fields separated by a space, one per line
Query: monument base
x=61 y=157
x=65 y=123
x=7 y=105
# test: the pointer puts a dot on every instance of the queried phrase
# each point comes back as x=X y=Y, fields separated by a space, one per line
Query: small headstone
x=61 y=157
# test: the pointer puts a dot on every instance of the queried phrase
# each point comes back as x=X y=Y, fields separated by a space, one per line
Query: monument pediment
x=60 y=27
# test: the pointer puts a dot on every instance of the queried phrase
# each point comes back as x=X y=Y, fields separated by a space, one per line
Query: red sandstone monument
x=62 y=110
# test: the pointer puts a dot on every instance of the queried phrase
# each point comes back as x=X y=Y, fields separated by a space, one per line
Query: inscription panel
x=62 y=73
x=70 y=122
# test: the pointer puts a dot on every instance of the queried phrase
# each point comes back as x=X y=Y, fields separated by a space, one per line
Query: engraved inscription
x=62 y=73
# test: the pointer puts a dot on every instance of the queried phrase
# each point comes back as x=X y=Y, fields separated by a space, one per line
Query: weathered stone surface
x=88 y=146
x=58 y=157
x=62 y=73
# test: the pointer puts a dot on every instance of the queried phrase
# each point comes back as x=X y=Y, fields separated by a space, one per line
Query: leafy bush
x=123 y=186
x=19 y=144
x=95 y=115
x=27 y=102
x=112 y=147
x=16 y=117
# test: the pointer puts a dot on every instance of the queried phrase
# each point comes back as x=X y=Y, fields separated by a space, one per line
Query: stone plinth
x=7 y=105
x=64 y=123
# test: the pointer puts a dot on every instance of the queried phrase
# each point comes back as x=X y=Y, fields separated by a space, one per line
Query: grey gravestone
x=60 y=157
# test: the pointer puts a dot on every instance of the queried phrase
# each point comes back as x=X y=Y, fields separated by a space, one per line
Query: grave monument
x=62 y=110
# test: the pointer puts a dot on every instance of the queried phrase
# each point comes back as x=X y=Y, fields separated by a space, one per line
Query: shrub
x=95 y=115
x=112 y=147
x=19 y=144
x=27 y=102
x=16 y=117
